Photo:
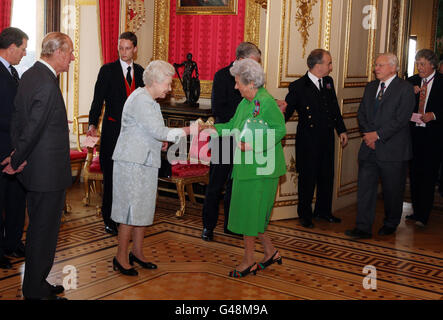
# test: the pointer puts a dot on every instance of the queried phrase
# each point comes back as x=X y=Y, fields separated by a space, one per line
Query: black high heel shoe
x=146 y=265
x=126 y=272
x=267 y=263
x=239 y=274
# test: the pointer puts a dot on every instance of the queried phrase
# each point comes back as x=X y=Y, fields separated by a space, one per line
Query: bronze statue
x=189 y=81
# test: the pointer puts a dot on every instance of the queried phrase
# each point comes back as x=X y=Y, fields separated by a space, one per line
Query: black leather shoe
x=207 y=235
x=19 y=252
x=57 y=289
x=111 y=228
x=306 y=223
x=330 y=218
x=385 y=231
x=358 y=234
x=5 y=263
x=126 y=272
x=146 y=265
x=412 y=217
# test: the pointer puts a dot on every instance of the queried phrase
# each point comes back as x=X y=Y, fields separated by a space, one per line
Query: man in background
x=13 y=43
x=115 y=82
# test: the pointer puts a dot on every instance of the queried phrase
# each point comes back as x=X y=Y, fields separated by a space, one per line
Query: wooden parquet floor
x=320 y=263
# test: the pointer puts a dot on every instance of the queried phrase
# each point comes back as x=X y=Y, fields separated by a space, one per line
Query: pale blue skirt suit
x=137 y=159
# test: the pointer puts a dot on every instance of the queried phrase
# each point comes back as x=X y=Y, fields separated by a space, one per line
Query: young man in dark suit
x=314 y=98
x=13 y=43
x=115 y=82
x=383 y=117
x=224 y=101
x=427 y=135
x=40 y=140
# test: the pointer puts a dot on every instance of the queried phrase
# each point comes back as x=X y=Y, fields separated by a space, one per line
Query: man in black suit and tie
x=426 y=134
x=383 y=117
x=13 y=43
x=314 y=98
x=115 y=82
x=40 y=140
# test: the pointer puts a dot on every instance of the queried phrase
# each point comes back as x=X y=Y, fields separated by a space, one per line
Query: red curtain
x=109 y=29
x=5 y=14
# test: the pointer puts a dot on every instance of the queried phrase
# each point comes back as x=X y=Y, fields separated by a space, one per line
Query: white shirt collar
x=430 y=77
x=314 y=79
x=49 y=66
x=126 y=65
x=388 y=82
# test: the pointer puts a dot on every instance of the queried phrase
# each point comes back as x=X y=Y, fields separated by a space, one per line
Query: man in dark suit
x=224 y=101
x=115 y=82
x=314 y=98
x=40 y=140
x=427 y=135
x=383 y=117
x=13 y=43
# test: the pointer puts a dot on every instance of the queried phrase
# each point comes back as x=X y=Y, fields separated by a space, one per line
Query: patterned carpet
x=320 y=263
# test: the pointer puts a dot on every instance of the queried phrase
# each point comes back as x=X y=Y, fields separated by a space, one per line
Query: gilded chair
x=78 y=155
x=196 y=170
x=92 y=174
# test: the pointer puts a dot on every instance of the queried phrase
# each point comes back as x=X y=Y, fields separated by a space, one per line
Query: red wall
x=211 y=39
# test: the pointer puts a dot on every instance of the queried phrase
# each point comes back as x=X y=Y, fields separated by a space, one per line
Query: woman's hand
x=243 y=146
x=165 y=146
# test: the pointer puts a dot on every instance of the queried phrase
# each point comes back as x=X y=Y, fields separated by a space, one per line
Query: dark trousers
x=424 y=168
x=44 y=210
x=317 y=171
x=12 y=212
x=222 y=149
x=219 y=176
x=393 y=178
x=107 y=166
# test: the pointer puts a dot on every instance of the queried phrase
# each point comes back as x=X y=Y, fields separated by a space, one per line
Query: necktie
x=320 y=84
x=423 y=91
x=128 y=76
x=381 y=92
x=14 y=73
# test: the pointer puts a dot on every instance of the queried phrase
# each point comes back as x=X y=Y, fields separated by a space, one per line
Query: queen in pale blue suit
x=136 y=163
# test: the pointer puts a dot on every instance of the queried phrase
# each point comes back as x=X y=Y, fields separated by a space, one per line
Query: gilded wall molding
x=161 y=38
x=370 y=52
x=262 y=3
x=304 y=20
x=286 y=24
x=76 y=61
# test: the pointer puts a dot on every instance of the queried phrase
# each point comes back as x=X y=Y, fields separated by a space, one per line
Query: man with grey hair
x=40 y=141
x=224 y=101
x=314 y=98
x=383 y=117
x=13 y=43
x=426 y=134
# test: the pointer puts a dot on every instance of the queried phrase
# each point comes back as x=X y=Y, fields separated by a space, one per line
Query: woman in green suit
x=258 y=164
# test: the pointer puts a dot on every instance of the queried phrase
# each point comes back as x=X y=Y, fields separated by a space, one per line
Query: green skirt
x=251 y=205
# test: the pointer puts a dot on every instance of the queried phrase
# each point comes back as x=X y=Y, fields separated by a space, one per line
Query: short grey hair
x=392 y=58
x=248 y=70
x=54 y=41
x=316 y=57
x=247 y=50
x=157 y=71
x=428 y=55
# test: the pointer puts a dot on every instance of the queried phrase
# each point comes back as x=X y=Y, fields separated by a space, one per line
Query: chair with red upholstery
x=78 y=155
x=195 y=170
x=92 y=173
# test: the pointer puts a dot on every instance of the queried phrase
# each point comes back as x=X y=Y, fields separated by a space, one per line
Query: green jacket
x=265 y=160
